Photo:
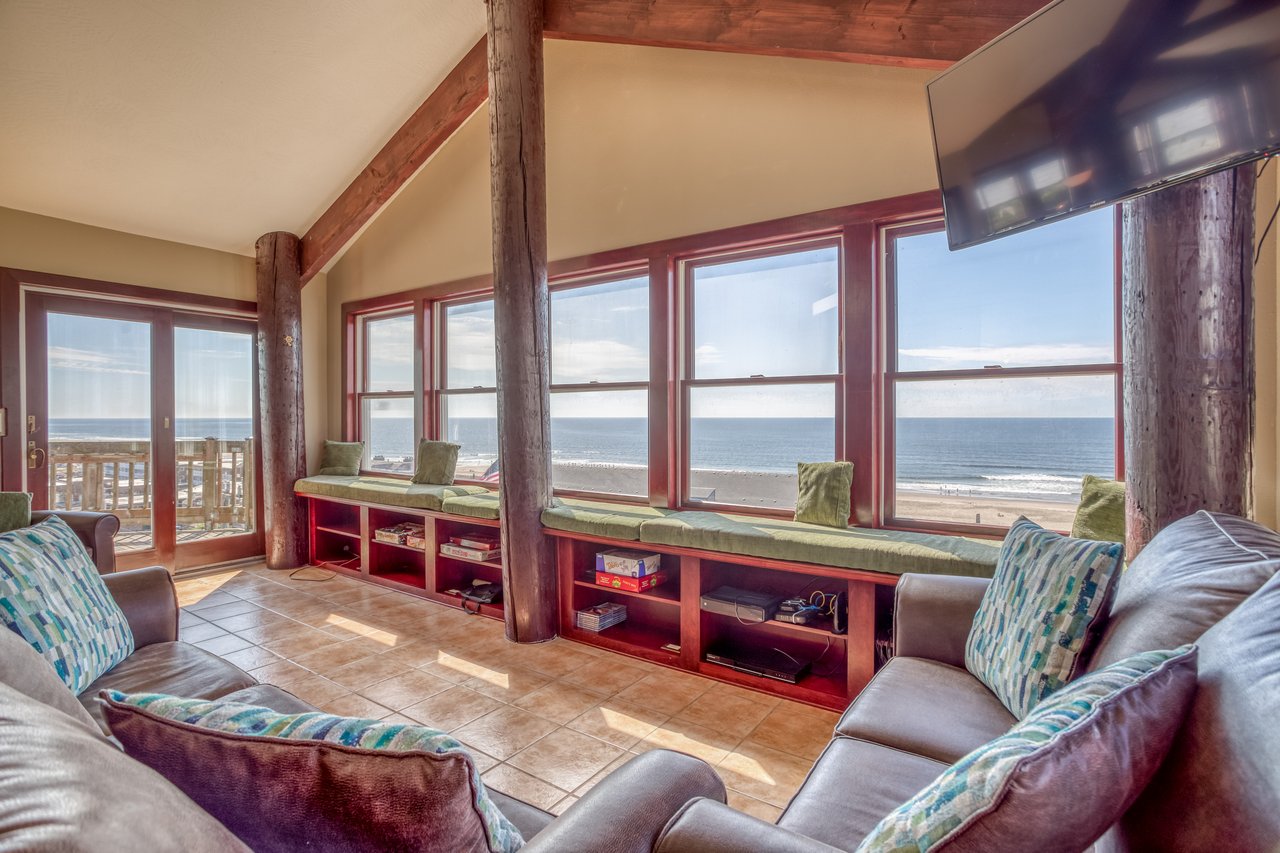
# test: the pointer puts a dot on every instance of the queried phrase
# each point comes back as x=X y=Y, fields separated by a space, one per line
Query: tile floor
x=545 y=722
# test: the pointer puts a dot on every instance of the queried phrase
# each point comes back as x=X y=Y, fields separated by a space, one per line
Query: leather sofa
x=97 y=530
x=1208 y=578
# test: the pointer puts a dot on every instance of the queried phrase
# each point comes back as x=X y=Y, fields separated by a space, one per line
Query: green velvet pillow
x=1101 y=512
x=341 y=458
x=15 y=511
x=823 y=496
x=435 y=462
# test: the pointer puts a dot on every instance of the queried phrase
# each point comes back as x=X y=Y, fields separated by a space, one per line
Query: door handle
x=35 y=456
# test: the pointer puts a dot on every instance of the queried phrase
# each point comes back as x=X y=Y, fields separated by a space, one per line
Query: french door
x=149 y=413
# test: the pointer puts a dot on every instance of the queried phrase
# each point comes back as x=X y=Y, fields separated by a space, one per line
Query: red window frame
x=359 y=341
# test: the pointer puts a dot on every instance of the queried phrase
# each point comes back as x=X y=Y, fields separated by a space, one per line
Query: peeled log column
x=284 y=449
x=519 y=186
x=1188 y=334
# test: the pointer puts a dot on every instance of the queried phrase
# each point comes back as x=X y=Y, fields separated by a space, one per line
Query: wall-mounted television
x=1090 y=102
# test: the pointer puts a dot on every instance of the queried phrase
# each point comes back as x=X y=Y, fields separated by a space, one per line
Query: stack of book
x=398 y=534
x=477 y=548
x=600 y=616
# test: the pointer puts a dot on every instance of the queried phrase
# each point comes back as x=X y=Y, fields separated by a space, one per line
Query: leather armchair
x=149 y=602
x=932 y=615
x=705 y=826
x=96 y=530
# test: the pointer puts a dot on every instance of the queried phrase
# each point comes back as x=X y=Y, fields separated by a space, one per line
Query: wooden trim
x=458 y=96
x=131 y=294
x=859 y=345
x=12 y=455
x=164 y=466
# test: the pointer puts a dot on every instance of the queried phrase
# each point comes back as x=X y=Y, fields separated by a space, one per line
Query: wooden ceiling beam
x=931 y=34
x=458 y=96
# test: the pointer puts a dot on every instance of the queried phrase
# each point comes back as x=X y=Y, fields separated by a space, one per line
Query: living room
x=745 y=267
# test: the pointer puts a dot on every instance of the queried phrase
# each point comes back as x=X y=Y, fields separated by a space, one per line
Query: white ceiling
x=210 y=122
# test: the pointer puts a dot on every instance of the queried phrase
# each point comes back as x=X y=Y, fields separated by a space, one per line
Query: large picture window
x=388 y=425
x=1003 y=373
x=761 y=372
x=469 y=392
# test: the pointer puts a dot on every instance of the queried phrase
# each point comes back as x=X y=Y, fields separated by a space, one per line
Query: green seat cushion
x=891 y=551
x=477 y=506
x=1100 y=515
x=599 y=518
x=382 y=490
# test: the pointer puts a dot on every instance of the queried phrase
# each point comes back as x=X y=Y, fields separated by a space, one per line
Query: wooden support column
x=517 y=159
x=284 y=449
x=1188 y=335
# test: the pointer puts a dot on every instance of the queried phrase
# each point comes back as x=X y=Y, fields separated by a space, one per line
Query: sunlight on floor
x=360 y=629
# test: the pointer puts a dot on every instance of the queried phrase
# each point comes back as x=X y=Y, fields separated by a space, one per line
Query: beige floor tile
x=565 y=758
x=765 y=774
x=734 y=715
x=251 y=658
x=667 y=692
x=281 y=674
x=226 y=644
x=455 y=707
x=317 y=690
x=483 y=762
x=366 y=671
x=408 y=688
x=415 y=653
x=797 y=729
x=619 y=723
x=719 y=689
x=557 y=658
x=277 y=630
x=196 y=633
x=563 y=806
x=504 y=732
x=507 y=685
x=231 y=608
x=257 y=618
x=204 y=600
x=335 y=654
x=186 y=619
x=754 y=807
x=354 y=705
x=305 y=642
x=710 y=745
x=464 y=665
x=605 y=674
x=516 y=783
x=559 y=702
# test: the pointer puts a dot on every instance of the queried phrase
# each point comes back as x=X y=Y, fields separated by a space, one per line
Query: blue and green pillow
x=52 y=596
x=314 y=780
x=1059 y=778
x=1045 y=605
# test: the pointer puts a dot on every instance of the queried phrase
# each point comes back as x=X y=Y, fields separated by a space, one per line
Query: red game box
x=612 y=581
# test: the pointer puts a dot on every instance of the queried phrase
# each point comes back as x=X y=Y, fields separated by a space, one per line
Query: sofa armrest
x=96 y=530
x=704 y=826
x=149 y=602
x=628 y=809
x=932 y=615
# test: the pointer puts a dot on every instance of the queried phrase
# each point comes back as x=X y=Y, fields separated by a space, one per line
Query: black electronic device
x=798 y=617
x=1090 y=102
x=745 y=605
x=767 y=663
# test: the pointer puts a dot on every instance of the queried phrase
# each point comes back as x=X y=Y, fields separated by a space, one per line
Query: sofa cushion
x=823 y=493
x=383 y=490
x=52 y=596
x=1100 y=515
x=889 y=551
x=480 y=505
x=1038 y=617
x=15 y=511
x=25 y=670
x=178 y=668
x=314 y=780
x=341 y=458
x=65 y=788
x=927 y=708
x=1062 y=775
x=599 y=518
x=435 y=462
x=838 y=804
x=1191 y=575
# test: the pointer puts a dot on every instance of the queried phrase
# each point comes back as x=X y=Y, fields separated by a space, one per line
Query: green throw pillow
x=341 y=458
x=435 y=463
x=1047 y=601
x=15 y=511
x=1063 y=775
x=823 y=496
x=1101 y=512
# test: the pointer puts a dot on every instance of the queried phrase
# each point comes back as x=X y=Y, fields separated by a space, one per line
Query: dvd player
x=746 y=606
x=767 y=663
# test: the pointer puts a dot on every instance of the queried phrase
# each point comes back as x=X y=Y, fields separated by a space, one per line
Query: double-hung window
x=469 y=388
x=1003 y=369
x=388 y=422
x=761 y=371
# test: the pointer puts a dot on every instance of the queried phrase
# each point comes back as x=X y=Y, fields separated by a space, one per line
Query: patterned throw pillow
x=1060 y=777
x=52 y=596
x=1047 y=601
x=314 y=780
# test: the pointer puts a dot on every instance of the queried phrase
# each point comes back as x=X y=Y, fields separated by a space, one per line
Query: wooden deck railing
x=215 y=488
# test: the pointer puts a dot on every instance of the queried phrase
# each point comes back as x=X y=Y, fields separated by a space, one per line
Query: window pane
x=390 y=439
x=600 y=333
x=469 y=346
x=774 y=316
x=471 y=420
x=988 y=450
x=1038 y=298
x=390 y=353
x=738 y=456
x=600 y=441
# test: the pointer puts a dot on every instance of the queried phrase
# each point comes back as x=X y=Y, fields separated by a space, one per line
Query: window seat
x=476 y=505
x=387 y=491
x=599 y=518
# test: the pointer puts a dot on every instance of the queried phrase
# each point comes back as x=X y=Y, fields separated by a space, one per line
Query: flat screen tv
x=1090 y=102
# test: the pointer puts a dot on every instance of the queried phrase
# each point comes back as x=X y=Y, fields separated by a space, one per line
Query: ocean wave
x=1030 y=489
x=1031 y=478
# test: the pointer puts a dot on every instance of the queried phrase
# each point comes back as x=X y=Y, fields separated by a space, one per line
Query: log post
x=1188 y=363
x=284 y=449
x=517 y=160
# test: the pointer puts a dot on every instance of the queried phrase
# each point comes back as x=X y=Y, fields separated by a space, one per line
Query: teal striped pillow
x=52 y=596
x=1060 y=777
x=239 y=719
x=1049 y=596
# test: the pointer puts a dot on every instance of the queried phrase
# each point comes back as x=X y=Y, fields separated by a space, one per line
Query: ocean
x=1039 y=458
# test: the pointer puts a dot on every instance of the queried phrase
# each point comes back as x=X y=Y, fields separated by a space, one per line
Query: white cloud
x=1038 y=354
x=583 y=361
x=88 y=361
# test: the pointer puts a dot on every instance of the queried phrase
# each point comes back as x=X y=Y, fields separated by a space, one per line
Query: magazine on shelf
x=472 y=554
x=478 y=541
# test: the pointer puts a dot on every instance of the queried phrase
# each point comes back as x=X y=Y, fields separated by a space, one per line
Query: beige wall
x=1266 y=458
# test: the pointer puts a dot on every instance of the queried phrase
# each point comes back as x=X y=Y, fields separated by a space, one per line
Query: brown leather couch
x=1208 y=578
x=97 y=530
x=83 y=811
